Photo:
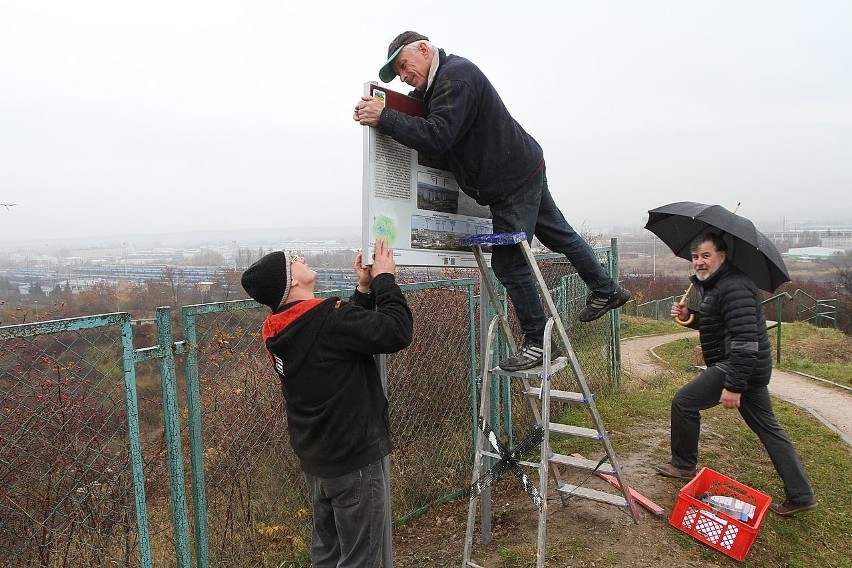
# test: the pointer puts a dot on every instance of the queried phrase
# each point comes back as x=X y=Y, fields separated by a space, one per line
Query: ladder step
x=581 y=463
x=536 y=372
x=592 y=494
x=495 y=239
x=563 y=396
x=578 y=431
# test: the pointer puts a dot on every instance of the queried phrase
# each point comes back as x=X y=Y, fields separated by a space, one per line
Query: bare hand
x=383 y=262
x=367 y=111
x=730 y=399
x=365 y=277
x=680 y=311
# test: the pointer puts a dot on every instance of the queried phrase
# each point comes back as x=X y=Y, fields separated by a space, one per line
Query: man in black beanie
x=337 y=412
x=497 y=163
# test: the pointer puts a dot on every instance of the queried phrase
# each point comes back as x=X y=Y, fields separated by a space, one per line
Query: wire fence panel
x=257 y=506
x=429 y=390
x=257 y=509
x=67 y=468
x=69 y=408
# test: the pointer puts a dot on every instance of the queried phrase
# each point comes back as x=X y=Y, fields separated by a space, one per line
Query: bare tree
x=174 y=279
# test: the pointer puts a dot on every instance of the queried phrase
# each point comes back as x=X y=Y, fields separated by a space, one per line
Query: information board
x=409 y=199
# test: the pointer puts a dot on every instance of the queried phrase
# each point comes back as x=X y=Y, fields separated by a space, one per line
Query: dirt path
x=830 y=405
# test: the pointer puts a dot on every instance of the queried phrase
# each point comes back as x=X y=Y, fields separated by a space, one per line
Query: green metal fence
x=71 y=464
x=177 y=454
x=653 y=309
x=821 y=313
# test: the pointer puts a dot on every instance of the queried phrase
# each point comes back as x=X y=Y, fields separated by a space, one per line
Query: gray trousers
x=756 y=409
x=349 y=518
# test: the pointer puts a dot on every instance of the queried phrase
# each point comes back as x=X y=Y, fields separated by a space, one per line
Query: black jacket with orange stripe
x=337 y=413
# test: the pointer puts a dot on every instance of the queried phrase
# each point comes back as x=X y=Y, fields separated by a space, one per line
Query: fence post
x=196 y=446
x=136 y=463
x=474 y=404
x=174 y=454
x=615 y=330
x=778 y=333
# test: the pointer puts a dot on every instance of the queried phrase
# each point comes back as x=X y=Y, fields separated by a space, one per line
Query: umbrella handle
x=682 y=301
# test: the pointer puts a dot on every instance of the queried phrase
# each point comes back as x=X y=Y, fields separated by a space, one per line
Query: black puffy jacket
x=732 y=328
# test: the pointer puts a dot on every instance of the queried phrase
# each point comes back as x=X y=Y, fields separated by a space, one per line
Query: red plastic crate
x=714 y=528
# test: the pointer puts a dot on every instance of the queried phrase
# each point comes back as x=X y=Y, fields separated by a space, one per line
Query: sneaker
x=597 y=304
x=788 y=508
x=669 y=470
x=529 y=355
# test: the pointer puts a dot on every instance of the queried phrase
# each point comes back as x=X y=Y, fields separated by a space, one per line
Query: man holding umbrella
x=737 y=353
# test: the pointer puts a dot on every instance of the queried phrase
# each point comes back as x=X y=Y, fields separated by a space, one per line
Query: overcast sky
x=163 y=116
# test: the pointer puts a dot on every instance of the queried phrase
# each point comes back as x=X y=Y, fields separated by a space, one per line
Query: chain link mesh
x=66 y=495
x=258 y=505
x=258 y=512
x=66 y=484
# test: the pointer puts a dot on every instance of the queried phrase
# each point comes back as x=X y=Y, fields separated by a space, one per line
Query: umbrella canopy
x=677 y=224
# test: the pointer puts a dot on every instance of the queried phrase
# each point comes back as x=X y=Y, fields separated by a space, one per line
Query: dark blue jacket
x=469 y=127
x=732 y=327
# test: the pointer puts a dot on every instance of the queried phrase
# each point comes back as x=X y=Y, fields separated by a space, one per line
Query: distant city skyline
x=349 y=236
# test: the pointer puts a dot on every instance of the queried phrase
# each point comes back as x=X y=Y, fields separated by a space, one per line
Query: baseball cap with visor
x=386 y=73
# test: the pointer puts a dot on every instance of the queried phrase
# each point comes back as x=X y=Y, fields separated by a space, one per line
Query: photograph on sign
x=411 y=200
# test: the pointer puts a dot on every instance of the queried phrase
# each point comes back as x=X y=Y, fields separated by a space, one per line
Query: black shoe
x=597 y=304
x=788 y=508
x=530 y=355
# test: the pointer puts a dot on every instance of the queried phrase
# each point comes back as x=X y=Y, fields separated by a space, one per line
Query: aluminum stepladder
x=549 y=463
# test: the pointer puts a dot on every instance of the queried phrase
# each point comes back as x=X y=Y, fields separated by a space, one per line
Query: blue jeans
x=703 y=392
x=531 y=209
x=349 y=518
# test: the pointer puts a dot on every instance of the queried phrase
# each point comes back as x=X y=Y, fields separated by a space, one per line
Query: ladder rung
x=582 y=463
x=563 y=396
x=470 y=563
x=593 y=494
x=535 y=372
x=578 y=431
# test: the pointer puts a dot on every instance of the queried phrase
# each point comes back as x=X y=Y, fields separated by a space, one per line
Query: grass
x=821 y=352
x=638 y=417
x=818 y=538
x=825 y=353
x=822 y=538
x=632 y=326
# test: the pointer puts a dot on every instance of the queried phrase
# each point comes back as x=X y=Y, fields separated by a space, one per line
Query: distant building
x=835 y=237
x=812 y=253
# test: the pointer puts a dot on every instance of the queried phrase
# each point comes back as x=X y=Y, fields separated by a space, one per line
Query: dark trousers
x=531 y=209
x=349 y=518
x=704 y=392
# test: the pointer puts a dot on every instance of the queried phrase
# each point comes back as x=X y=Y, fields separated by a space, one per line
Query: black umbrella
x=677 y=224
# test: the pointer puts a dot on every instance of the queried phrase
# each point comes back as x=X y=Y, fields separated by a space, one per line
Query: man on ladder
x=499 y=165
